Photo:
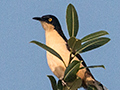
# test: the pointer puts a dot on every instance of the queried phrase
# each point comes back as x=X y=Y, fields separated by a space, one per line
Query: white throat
x=47 y=26
x=56 y=42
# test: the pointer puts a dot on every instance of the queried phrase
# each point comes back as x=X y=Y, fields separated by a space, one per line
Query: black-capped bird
x=56 y=39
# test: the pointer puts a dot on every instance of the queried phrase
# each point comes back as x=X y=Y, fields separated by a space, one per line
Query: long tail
x=90 y=81
x=100 y=86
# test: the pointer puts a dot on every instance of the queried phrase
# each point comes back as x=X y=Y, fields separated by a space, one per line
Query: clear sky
x=23 y=66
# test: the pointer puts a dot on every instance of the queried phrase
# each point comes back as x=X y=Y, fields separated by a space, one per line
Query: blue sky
x=23 y=66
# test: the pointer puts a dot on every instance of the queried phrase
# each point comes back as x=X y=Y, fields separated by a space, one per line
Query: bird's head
x=49 y=22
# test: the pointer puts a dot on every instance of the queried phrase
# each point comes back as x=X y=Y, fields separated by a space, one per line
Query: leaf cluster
x=87 y=43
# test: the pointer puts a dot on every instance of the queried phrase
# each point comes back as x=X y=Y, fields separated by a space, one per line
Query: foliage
x=77 y=46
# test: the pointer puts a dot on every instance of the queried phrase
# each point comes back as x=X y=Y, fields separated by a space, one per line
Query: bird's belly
x=55 y=64
x=55 y=41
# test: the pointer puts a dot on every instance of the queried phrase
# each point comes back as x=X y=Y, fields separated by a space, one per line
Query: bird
x=56 y=39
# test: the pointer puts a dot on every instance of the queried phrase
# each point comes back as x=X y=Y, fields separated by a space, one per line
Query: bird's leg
x=64 y=83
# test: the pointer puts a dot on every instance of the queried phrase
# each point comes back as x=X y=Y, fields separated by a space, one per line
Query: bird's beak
x=38 y=18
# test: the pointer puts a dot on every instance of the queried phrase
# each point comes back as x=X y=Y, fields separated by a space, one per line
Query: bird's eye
x=50 y=19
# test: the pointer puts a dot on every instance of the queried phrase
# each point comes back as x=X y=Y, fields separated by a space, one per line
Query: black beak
x=38 y=18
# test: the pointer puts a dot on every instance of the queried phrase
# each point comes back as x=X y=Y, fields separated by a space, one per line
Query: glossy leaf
x=74 y=85
x=48 y=49
x=60 y=86
x=91 y=88
x=95 y=66
x=92 y=44
x=53 y=82
x=74 y=43
x=93 y=36
x=71 y=70
x=72 y=20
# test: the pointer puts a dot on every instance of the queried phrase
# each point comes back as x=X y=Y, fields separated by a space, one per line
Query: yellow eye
x=50 y=19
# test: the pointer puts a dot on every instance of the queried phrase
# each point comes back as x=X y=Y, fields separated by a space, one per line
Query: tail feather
x=100 y=86
x=89 y=80
x=96 y=84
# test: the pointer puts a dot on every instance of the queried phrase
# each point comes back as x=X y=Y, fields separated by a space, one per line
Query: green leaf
x=48 y=49
x=93 y=36
x=91 y=88
x=92 y=44
x=53 y=82
x=60 y=86
x=95 y=66
x=72 y=20
x=74 y=85
x=74 y=43
x=71 y=70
